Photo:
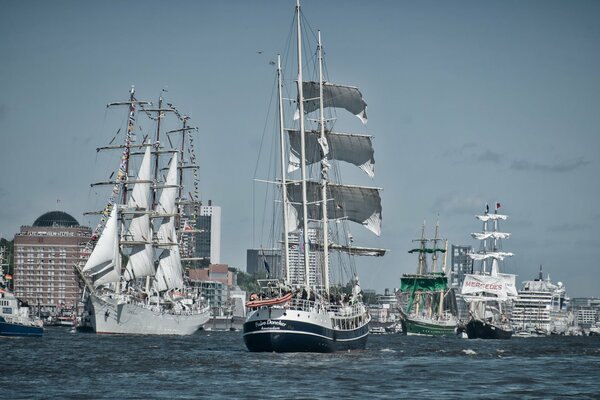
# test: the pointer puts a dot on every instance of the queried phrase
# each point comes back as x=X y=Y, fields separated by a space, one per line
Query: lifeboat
x=255 y=303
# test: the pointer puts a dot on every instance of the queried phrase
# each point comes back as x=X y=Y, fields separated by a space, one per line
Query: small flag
x=498 y=206
x=267 y=268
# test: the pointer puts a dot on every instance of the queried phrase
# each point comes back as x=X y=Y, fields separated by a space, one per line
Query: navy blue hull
x=477 y=329
x=284 y=336
x=7 y=329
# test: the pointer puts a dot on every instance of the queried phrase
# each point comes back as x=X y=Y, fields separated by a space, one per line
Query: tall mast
x=435 y=240
x=283 y=173
x=302 y=151
x=130 y=129
x=156 y=156
x=324 y=170
x=422 y=264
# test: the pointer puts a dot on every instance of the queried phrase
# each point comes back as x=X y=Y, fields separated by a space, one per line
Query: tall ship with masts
x=316 y=305
x=488 y=291
x=429 y=302
x=132 y=267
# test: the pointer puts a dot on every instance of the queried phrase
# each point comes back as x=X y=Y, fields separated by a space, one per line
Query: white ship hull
x=108 y=316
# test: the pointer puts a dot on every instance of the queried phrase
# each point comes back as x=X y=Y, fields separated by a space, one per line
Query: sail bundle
x=351 y=148
x=488 y=235
x=355 y=203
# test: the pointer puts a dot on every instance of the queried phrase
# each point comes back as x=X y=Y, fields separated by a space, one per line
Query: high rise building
x=208 y=240
x=44 y=258
x=461 y=264
x=296 y=254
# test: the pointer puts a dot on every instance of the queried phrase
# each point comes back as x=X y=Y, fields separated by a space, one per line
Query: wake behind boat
x=313 y=307
x=134 y=275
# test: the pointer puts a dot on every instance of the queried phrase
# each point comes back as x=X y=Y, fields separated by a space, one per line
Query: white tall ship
x=541 y=307
x=316 y=307
x=133 y=275
x=487 y=291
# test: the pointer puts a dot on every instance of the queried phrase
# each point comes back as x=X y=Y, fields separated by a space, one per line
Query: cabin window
x=6 y=310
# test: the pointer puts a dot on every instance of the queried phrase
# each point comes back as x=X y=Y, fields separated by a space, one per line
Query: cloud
x=471 y=152
x=458 y=204
x=568 y=227
x=559 y=167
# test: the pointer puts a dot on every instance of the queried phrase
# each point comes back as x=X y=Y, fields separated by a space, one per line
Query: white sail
x=484 y=284
x=358 y=204
x=491 y=217
x=101 y=263
x=488 y=235
x=346 y=97
x=497 y=255
x=509 y=283
x=169 y=274
x=351 y=148
x=138 y=232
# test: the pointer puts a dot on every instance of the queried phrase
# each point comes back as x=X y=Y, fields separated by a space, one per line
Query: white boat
x=307 y=308
x=15 y=319
x=488 y=291
x=147 y=293
x=541 y=307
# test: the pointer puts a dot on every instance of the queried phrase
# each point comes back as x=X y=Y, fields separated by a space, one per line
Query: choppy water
x=216 y=365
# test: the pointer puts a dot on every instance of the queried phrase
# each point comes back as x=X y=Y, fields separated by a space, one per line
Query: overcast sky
x=470 y=102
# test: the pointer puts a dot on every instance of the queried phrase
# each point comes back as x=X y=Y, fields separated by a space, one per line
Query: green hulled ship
x=428 y=299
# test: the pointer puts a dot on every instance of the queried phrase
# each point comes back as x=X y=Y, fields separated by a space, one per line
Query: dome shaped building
x=44 y=255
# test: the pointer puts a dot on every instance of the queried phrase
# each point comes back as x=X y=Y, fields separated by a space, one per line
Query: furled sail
x=351 y=148
x=169 y=274
x=138 y=232
x=102 y=262
x=497 y=255
x=487 y=235
x=358 y=204
x=347 y=97
x=492 y=217
x=358 y=251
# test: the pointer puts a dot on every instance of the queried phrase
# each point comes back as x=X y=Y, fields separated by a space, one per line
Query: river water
x=216 y=365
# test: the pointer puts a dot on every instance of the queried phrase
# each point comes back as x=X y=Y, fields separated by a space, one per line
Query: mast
x=303 y=151
x=441 y=305
x=435 y=240
x=422 y=261
x=324 y=171
x=283 y=173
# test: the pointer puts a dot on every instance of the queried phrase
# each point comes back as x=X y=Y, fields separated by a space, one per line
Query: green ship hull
x=414 y=327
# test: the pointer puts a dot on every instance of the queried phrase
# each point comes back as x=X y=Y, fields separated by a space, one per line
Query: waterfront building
x=44 y=256
x=208 y=241
x=460 y=264
x=586 y=311
x=226 y=300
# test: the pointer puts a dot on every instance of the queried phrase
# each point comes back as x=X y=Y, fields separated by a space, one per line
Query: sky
x=470 y=102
